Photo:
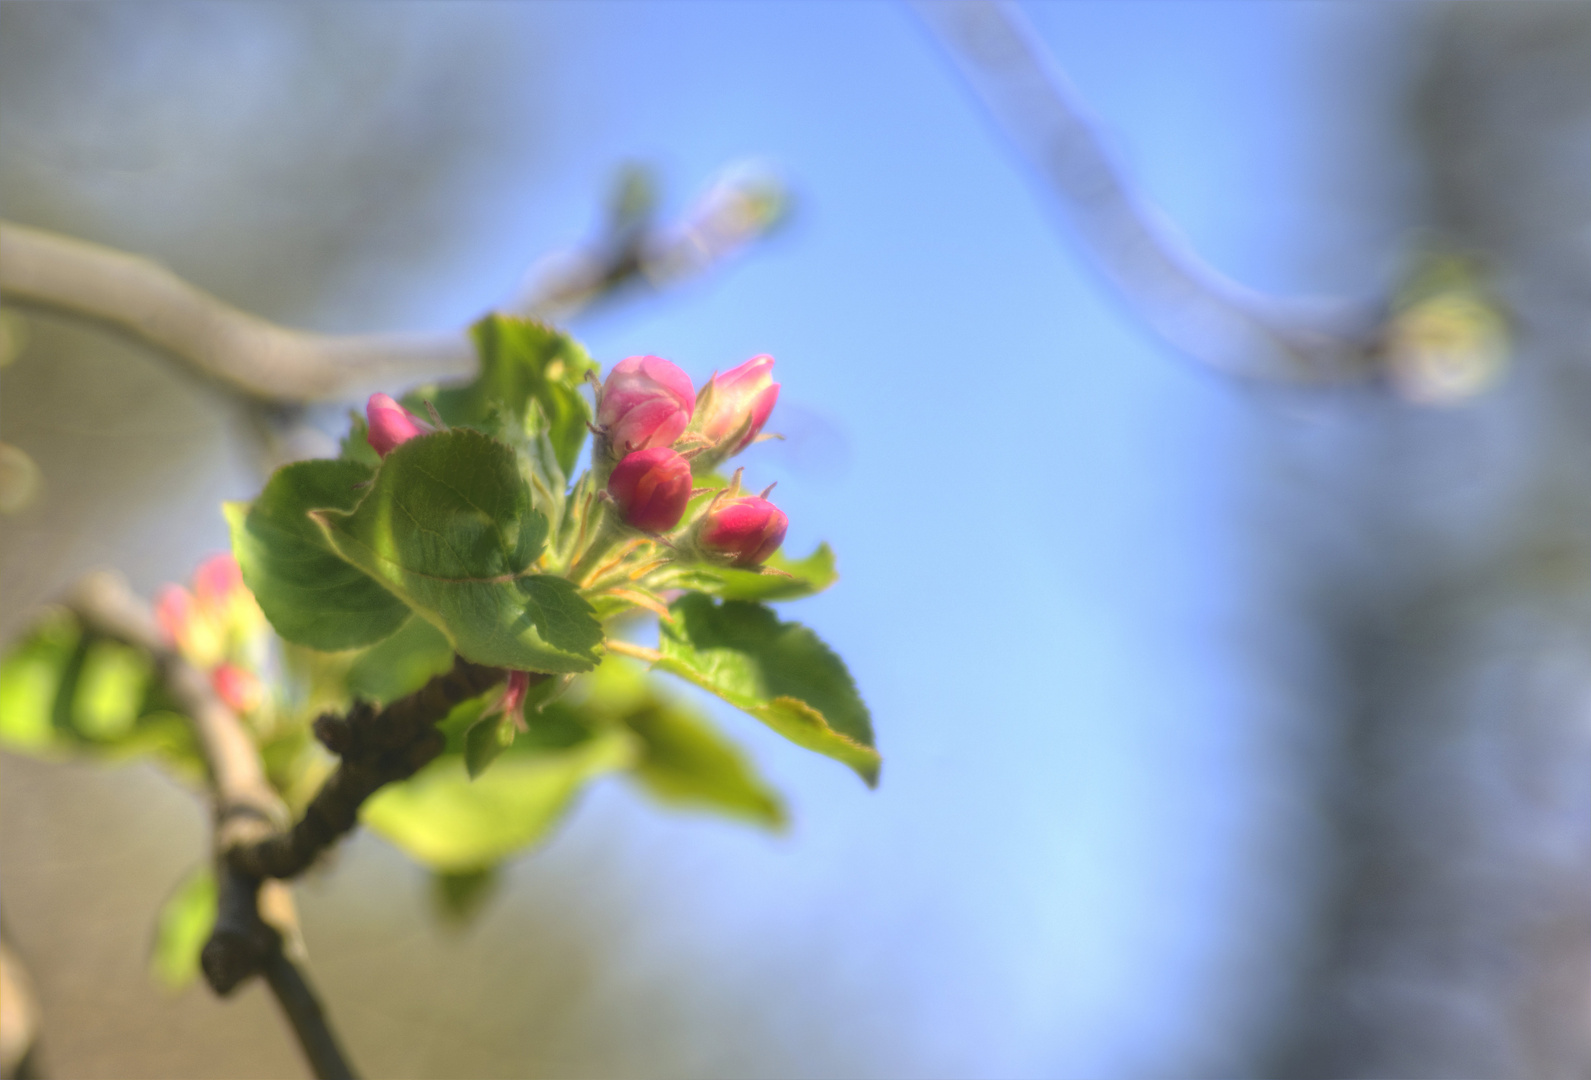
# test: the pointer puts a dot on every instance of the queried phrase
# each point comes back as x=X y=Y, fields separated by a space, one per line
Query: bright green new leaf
x=448 y=527
x=450 y=823
x=310 y=594
x=523 y=362
x=779 y=672
x=792 y=578
x=401 y=664
x=684 y=761
x=110 y=690
x=30 y=683
x=184 y=925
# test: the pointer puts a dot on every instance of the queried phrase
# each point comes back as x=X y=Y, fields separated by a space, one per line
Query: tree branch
x=246 y=809
x=277 y=365
x=139 y=297
x=377 y=747
x=1189 y=303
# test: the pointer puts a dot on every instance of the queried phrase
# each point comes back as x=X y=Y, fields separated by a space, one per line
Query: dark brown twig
x=377 y=747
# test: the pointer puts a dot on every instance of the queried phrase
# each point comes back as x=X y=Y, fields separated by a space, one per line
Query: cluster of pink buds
x=657 y=426
x=217 y=627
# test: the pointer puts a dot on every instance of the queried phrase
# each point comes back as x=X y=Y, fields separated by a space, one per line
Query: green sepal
x=310 y=594
x=783 y=578
x=181 y=929
x=448 y=528
x=779 y=672
x=486 y=739
x=451 y=823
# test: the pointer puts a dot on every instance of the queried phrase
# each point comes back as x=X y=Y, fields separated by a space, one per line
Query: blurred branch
x=278 y=365
x=19 y=1018
x=247 y=809
x=377 y=747
x=1189 y=303
x=259 y=359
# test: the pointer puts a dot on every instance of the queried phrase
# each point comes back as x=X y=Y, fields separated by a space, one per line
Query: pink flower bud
x=174 y=612
x=650 y=488
x=742 y=394
x=747 y=529
x=216 y=580
x=645 y=402
x=240 y=688
x=390 y=424
x=512 y=703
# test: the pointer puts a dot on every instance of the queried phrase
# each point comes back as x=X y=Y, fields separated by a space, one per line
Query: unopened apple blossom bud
x=239 y=687
x=390 y=424
x=747 y=530
x=741 y=400
x=650 y=488
x=645 y=402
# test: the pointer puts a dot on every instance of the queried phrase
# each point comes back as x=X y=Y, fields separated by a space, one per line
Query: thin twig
x=1188 y=302
x=307 y=1018
x=246 y=809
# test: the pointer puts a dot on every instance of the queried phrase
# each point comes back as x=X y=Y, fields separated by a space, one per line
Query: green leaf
x=779 y=672
x=485 y=740
x=449 y=528
x=805 y=577
x=355 y=446
x=401 y=664
x=453 y=824
x=110 y=691
x=184 y=925
x=310 y=594
x=30 y=681
x=459 y=898
x=523 y=362
x=685 y=761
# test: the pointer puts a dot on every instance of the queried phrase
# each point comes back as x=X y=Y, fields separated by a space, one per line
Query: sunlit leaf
x=110 y=690
x=523 y=362
x=448 y=526
x=310 y=594
x=30 y=681
x=685 y=761
x=448 y=822
x=183 y=926
x=779 y=672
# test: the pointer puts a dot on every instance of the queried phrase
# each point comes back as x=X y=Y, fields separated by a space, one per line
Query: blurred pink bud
x=216 y=580
x=645 y=402
x=747 y=529
x=238 y=687
x=650 y=488
x=742 y=394
x=390 y=424
x=174 y=612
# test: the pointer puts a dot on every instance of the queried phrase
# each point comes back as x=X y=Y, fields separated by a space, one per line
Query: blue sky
x=1039 y=513
x=1044 y=520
